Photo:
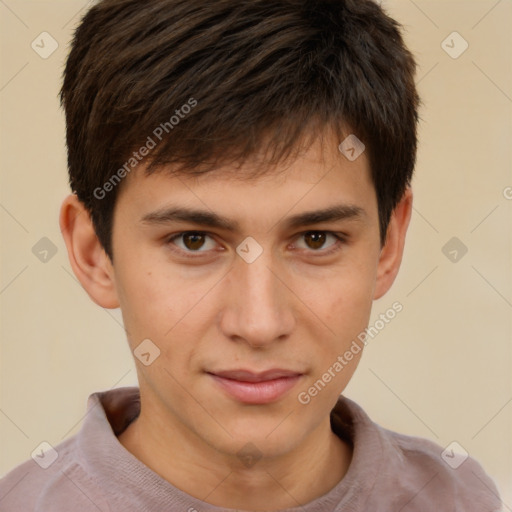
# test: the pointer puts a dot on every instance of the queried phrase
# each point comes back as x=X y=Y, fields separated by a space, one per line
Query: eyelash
x=340 y=240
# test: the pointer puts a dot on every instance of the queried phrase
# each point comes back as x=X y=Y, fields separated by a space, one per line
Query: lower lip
x=257 y=392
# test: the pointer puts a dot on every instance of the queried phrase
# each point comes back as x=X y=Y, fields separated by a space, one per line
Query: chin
x=269 y=439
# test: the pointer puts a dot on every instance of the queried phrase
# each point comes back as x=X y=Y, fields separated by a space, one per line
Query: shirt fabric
x=389 y=472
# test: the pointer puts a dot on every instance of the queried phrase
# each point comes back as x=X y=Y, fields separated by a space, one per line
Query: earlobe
x=89 y=262
x=392 y=251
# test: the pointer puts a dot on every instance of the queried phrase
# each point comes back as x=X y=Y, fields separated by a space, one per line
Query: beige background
x=441 y=369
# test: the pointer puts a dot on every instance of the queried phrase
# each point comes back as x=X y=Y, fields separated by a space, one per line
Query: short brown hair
x=263 y=76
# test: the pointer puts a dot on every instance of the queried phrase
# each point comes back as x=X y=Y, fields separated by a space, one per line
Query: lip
x=256 y=388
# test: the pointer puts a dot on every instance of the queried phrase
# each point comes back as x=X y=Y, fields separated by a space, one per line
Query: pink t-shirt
x=389 y=472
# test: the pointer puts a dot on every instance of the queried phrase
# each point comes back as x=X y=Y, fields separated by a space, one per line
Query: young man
x=241 y=177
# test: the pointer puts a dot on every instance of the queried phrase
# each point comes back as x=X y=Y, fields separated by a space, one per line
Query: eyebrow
x=213 y=220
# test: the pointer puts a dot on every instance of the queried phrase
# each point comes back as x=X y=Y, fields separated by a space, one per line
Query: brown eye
x=315 y=239
x=193 y=241
x=318 y=242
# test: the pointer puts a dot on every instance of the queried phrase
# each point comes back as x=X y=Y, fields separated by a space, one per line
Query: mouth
x=256 y=388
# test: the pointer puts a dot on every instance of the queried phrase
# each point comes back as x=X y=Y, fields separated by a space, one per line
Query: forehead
x=307 y=163
x=254 y=197
x=309 y=192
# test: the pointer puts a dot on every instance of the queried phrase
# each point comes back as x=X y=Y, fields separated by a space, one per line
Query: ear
x=392 y=251
x=87 y=257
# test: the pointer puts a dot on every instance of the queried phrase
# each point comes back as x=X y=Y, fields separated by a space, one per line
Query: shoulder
x=429 y=475
x=52 y=480
x=413 y=474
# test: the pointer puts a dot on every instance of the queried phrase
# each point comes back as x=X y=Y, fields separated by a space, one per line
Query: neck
x=309 y=471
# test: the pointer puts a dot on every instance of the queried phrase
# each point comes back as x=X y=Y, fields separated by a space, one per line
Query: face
x=250 y=290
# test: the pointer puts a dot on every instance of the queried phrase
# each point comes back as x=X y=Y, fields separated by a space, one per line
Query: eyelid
x=341 y=239
x=169 y=240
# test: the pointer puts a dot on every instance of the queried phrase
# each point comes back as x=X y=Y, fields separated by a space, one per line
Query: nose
x=259 y=306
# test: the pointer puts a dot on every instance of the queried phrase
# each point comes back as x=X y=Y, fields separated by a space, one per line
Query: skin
x=298 y=306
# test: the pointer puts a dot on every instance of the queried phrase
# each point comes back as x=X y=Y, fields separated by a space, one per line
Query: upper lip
x=250 y=376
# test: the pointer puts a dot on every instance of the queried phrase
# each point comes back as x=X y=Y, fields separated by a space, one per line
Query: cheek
x=161 y=308
x=344 y=300
x=345 y=312
x=349 y=309
x=144 y=304
x=150 y=306
x=164 y=306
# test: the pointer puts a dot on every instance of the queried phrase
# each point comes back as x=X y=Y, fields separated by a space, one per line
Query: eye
x=193 y=241
x=316 y=240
